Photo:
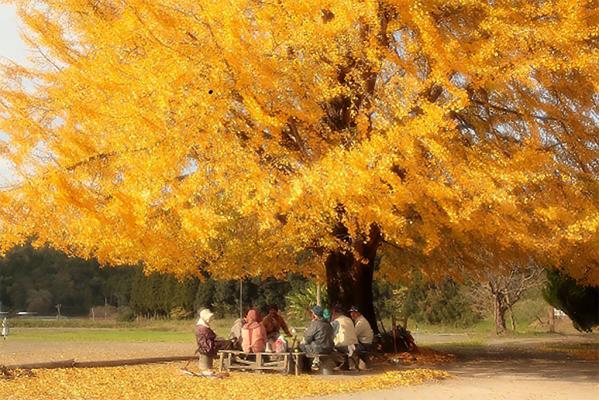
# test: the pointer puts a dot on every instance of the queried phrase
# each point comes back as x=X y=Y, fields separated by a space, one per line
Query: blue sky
x=13 y=48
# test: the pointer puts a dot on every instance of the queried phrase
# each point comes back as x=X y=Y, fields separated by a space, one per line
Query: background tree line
x=37 y=280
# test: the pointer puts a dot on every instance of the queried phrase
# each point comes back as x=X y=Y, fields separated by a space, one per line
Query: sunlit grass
x=99 y=335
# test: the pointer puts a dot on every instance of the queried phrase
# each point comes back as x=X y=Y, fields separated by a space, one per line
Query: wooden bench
x=281 y=362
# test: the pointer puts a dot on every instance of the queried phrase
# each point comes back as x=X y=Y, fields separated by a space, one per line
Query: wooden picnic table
x=282 y=362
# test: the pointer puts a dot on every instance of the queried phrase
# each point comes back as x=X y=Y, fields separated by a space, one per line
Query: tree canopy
x=247 y=137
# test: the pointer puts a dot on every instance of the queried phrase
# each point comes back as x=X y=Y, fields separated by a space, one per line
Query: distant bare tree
x=499 y=290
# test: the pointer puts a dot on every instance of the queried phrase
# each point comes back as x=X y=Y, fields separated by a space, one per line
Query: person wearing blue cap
x=318 y=338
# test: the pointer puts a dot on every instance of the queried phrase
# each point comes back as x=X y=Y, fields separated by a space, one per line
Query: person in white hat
x=208 y=343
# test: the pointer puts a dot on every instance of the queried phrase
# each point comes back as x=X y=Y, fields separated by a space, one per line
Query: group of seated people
x=326 y=334
x=347 y=336
x=254 y=334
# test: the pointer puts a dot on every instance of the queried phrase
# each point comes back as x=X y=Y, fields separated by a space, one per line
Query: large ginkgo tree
x=262 y=137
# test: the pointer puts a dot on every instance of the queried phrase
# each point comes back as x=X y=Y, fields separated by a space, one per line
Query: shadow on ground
x=522 y=362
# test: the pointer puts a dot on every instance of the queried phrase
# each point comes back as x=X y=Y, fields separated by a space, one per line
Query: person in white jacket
x=345 y=338
x=363 y=329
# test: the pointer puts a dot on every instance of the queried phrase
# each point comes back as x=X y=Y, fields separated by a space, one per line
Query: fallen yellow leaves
x=423 y=356
x=167 y=382
x=6 y=373
x=587 y=353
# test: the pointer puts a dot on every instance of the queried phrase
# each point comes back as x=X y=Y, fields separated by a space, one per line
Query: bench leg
x=362 y=364
x=259 y=362
x=299 y=360
x=286 y=364
x=221 y=361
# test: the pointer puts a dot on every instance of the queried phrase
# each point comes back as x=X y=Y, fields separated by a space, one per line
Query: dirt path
x=509 y=369
x=23 y=352
x=497 y=388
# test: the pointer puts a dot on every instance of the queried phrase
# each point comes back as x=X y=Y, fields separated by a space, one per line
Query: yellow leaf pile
x=586 y=351
x=167 y=382
x=424 y=356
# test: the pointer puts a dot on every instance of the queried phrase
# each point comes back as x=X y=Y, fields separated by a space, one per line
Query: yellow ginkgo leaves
x=241 y=137
x=168 y=382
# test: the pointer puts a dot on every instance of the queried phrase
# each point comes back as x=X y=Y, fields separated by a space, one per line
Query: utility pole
x=241 y=299
x=318 y=301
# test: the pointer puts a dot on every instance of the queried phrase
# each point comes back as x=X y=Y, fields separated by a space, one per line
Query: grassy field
x=99 y=335
x=527 y=315
x=77 y=330
x=148 y=324
x=481 y=327
x=84 y=330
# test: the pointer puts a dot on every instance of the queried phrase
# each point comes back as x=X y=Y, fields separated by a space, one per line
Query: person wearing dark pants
x=318 y=338
x=364 y=333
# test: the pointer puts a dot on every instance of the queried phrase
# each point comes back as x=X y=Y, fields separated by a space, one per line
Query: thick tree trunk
x=500 y=310
x=349 y=280
x=512 y=319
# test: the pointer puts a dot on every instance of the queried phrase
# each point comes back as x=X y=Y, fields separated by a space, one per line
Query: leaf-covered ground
x=581 y=351
x=168 y=382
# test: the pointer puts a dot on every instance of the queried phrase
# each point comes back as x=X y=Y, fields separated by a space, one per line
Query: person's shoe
x=315 y=367
x=362 y=366
x=341 y=367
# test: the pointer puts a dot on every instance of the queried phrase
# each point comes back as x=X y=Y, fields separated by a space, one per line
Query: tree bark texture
x=512 y=319
x=349 y=278
x=500 y=310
